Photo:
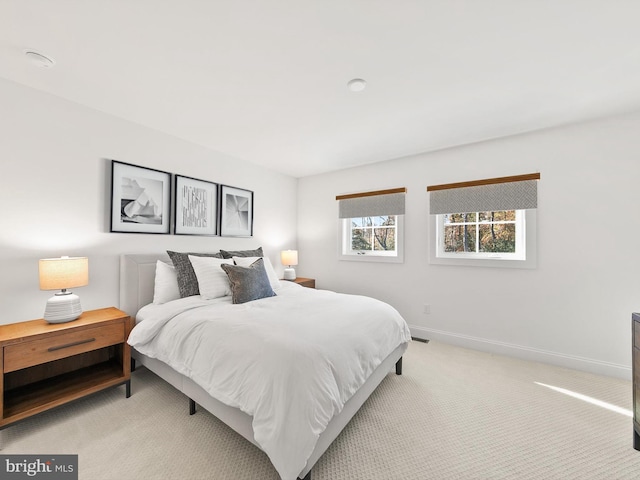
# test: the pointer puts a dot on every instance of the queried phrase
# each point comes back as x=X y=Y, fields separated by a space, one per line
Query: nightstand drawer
x=54 y=347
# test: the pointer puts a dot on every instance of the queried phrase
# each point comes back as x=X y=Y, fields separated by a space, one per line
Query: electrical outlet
x=427 y=309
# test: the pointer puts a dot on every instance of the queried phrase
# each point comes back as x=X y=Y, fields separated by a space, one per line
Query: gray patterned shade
x=485 y=198
x=389 y=204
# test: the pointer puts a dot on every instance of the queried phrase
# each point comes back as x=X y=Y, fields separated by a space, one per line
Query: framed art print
x=140 y=199
x=196 y=207
x=236 y=212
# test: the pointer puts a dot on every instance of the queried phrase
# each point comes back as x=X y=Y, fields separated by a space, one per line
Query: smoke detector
x=356 y=85
x=38 y=59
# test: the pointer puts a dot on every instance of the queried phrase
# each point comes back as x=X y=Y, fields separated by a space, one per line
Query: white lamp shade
x=289 y=257
x=64 y=272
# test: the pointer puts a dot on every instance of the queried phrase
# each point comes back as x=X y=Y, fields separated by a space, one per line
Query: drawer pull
x=73 y=344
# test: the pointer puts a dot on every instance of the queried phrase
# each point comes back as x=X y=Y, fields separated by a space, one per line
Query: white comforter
x=290 y=361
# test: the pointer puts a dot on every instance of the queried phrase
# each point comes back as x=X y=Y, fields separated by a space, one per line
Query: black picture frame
x=236 y=212
x=140 y=199
x=196 y=206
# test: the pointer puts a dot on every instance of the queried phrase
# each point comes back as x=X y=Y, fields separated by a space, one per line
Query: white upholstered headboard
x=137 y=276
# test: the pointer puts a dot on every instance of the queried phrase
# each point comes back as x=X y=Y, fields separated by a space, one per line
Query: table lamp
x=61 y=274
x=289 y=258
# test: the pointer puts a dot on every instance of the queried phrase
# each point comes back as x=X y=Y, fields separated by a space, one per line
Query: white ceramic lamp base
x=289 y=273
x=63 y=307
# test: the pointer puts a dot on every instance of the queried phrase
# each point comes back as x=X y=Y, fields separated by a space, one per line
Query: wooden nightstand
x=45 y=365
x=305 y=282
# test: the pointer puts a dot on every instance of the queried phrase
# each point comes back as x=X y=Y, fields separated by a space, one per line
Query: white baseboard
x=526 y=353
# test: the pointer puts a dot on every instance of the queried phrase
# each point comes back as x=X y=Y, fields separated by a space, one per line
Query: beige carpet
x=453 y=414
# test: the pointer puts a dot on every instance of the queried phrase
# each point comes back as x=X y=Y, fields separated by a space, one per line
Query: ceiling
x=266 y=81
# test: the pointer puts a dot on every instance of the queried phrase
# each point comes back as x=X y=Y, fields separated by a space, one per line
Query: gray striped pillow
x=187 y=280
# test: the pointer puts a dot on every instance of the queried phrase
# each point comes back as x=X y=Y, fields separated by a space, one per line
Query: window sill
x=483 y=262
x=372 y=258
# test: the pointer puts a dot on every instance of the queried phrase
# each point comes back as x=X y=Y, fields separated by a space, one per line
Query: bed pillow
x=242 y=253
x=187 y=281
x=271 y=273
x=212 y=281
x=166 y=284
x=248 y=283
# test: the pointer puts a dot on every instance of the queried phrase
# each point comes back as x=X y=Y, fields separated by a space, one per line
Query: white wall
x=54 y=196
x=573 y=310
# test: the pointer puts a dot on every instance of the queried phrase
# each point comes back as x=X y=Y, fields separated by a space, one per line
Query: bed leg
x=133 y=364
x=399 y=367
x=306 y=477
x=192 y=407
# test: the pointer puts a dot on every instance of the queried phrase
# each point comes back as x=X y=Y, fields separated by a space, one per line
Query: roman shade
x=368 y=204
x=504 y=193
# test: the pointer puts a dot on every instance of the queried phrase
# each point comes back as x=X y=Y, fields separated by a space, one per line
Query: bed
x=153 y=348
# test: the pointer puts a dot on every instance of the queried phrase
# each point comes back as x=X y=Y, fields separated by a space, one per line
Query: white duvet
x=290 y=361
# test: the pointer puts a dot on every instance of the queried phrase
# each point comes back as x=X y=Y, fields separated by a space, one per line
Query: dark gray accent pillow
x=187 y=280
x=242 y=253
x=248 y=283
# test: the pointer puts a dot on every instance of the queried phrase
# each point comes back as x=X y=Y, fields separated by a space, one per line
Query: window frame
x=526 y=258
x=344 y=244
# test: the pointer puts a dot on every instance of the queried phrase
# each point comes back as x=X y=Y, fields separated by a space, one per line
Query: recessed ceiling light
x=356 y=85
x=38 y=59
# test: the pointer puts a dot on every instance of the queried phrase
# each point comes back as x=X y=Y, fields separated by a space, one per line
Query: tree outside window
x=373 y=233
x=489 y=232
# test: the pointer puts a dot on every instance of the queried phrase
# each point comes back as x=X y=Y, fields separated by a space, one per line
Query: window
x=373 y=234
x=376 y=236
x=484 y=235
x=371 y=226
x=498 y=234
